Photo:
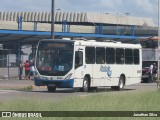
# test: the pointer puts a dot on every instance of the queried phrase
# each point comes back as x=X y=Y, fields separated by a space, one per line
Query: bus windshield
x=54 y=58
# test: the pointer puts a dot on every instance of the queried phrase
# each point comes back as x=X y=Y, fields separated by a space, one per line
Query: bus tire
x=120 y=84
x=51 y=88
x=93 y=89
x=114 y=87
x=85 y=84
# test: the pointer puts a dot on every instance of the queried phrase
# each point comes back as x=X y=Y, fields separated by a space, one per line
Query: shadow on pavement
x=99 y=90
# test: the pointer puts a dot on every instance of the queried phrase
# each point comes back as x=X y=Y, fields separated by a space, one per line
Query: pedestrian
x=20 y=70
x=27 y=69
x=154 y=72
x=150 y=74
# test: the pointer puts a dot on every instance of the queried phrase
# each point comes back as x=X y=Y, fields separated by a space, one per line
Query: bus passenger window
x=78 y=59
x=128 y=56
x=100 y=55
x=90 y=55
x=136 y=56
x=120 y=56
x=110 y=55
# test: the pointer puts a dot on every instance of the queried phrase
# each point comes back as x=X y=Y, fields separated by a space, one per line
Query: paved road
x=41 y=92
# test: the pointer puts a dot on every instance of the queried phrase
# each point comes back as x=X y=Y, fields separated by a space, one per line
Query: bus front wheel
x=85 y=85
x=51 y=88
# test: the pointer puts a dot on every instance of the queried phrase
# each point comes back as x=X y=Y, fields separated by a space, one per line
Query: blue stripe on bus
x=58 y=83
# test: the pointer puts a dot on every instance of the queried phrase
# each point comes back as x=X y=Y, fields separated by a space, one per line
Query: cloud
x=141 y=8
x=24 y=5
x=145 y=7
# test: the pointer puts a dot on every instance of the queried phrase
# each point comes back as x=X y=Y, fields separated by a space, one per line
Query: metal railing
x=9 y=66
x=149 y=55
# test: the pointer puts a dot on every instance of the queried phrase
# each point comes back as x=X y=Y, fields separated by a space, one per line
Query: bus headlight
x=69 y=76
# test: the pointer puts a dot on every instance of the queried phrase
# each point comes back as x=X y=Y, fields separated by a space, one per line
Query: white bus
x=87 y=64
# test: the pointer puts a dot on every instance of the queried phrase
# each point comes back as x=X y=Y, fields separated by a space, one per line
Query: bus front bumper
x=58 y=83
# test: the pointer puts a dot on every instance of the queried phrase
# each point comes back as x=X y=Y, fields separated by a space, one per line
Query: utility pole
x=52 y=19
x=158 y=42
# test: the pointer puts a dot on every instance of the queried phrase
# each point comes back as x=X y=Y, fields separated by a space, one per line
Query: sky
x=139 y=8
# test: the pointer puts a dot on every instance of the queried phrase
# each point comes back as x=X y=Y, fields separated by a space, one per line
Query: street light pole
x=118 y=15
x=52 y=20
x=158 y=42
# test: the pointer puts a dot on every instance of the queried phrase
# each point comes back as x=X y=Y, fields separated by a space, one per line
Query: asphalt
x=12 y=89
x=15 y=84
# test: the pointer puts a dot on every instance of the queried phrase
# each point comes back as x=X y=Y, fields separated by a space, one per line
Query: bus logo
x=106 y=69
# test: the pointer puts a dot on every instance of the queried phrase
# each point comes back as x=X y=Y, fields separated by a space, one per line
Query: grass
x=24 y=88
x=104 y=101
x=27 y=88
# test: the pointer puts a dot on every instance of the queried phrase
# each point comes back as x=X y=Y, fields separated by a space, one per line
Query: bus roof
x=104 y=43
x=107 y=44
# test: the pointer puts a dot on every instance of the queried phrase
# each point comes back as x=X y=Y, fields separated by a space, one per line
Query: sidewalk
x=15 y=84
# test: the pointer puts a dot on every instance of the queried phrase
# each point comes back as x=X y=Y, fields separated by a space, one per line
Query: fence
x=149 y=54
x=9 y=66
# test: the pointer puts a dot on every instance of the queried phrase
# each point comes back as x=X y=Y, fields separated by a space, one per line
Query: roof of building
x=78 y=18
x=42 y=20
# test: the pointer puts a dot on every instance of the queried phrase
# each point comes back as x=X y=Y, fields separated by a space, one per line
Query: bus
x=87 y=64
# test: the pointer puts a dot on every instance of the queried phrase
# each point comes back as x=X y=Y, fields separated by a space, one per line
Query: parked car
x=145 y=70
x=145 y=74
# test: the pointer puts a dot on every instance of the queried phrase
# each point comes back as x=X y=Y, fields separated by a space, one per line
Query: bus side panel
x=88 y=71
x=137 y=71
x=100 y=75
x=78 y=77
x=112 y=78
x=79 y=72
x=136 y=78
x=116 y=72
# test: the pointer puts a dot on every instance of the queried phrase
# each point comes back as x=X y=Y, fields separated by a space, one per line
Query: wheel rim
x=121 y=84
x=85 y=84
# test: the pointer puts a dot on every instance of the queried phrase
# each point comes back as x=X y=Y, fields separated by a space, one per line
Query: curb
x=19 y=87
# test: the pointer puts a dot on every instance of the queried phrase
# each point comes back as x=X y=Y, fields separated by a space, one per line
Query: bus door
x=79 y=67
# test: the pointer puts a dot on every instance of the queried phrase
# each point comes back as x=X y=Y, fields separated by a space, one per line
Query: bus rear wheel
x=120 y=84
x=51 y=88
x=85 y=84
